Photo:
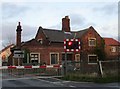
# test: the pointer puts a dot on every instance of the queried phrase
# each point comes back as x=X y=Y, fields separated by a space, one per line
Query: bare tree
x=10 y=39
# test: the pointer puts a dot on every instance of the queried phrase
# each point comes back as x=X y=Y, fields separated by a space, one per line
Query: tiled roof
x=9 y=46
x=56 y=35
x=59 y=35
x=111 y=41
x=31 y=42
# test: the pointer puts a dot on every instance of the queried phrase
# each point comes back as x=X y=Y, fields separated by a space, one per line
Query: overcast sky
x=101 y=14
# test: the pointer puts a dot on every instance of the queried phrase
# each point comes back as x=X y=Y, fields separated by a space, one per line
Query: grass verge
x=90 y=78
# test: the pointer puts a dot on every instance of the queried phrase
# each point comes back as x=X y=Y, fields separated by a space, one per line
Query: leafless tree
x=10 y=39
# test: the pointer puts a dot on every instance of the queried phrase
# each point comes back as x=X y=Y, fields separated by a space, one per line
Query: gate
x=9 y=72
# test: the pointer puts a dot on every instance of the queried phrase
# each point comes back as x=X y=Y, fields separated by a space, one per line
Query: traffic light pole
x=65 y=70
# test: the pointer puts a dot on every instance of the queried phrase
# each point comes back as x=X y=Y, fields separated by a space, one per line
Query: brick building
x=112 y=49
x=48 y=45
x=5 y=53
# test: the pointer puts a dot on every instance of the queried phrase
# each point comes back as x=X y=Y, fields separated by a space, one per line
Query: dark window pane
x=54 y=58
x=92 y=42
x=69 y=57
x=92 y=59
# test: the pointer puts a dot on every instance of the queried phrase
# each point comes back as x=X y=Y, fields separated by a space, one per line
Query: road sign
x=18 y=54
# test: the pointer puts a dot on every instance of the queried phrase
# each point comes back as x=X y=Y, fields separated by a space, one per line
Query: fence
x=102 y=68
x=82 y=67
x=30 y=71
x=110 y=68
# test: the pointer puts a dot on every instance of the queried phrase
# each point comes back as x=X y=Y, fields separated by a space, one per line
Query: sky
x=101 y=14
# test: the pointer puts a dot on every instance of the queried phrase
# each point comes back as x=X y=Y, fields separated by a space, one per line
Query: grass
x=90 y=78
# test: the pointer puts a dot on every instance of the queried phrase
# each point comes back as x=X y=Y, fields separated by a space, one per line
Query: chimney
x=66 y=24
x=18 y=39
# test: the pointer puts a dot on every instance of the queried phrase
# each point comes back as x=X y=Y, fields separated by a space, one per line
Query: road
x=48 y=82
x=11 y=81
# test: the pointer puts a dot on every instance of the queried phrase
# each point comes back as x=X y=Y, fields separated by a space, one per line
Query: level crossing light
x=72 y=45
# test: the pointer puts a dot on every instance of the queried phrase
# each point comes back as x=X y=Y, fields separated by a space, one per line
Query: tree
x=100 y=53
x=10 y=39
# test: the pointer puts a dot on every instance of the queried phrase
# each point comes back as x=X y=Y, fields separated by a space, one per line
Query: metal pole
x=13 y=62
x=18 y=62
x=65 y=63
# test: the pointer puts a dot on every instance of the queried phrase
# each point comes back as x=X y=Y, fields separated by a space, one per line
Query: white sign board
x=18 y=54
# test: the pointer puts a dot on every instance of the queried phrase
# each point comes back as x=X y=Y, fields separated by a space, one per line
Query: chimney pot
x=67 y=17
x=18 y=23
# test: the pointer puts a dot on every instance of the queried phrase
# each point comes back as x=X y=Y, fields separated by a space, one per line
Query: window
x=35 y=58
x=92 y=59
x=77 y=61
x=54 y=58
x=92 y=42
x=113 y=49
x=77 y=57
x=69 y=56
x=40 y=41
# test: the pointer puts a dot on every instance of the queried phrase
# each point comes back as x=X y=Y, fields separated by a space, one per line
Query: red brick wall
x=66 y=24
x=45 y=50
x=111 y=55
x=85 y=48
x=90 y=34
x=42 y=36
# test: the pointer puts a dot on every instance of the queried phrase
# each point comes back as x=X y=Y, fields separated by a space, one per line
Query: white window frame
x=113 y=49
x=57 y=59
x=89 y=60
x=40 y=41
x=89 y=41
x=38 y=56
x=76 y=57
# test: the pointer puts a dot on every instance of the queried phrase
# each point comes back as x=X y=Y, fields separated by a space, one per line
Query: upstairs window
x=92 y=42
x=40 y=41
x=113 y=49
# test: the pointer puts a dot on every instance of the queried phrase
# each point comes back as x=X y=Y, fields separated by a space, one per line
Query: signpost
x=18 y=54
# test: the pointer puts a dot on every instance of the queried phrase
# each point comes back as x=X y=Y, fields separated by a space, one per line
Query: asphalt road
x=53 y=83
x=10 y=81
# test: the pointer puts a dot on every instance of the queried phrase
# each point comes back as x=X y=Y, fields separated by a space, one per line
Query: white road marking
x=72 y=86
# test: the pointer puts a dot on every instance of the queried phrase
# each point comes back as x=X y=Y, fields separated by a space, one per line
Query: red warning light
x=69 y=43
